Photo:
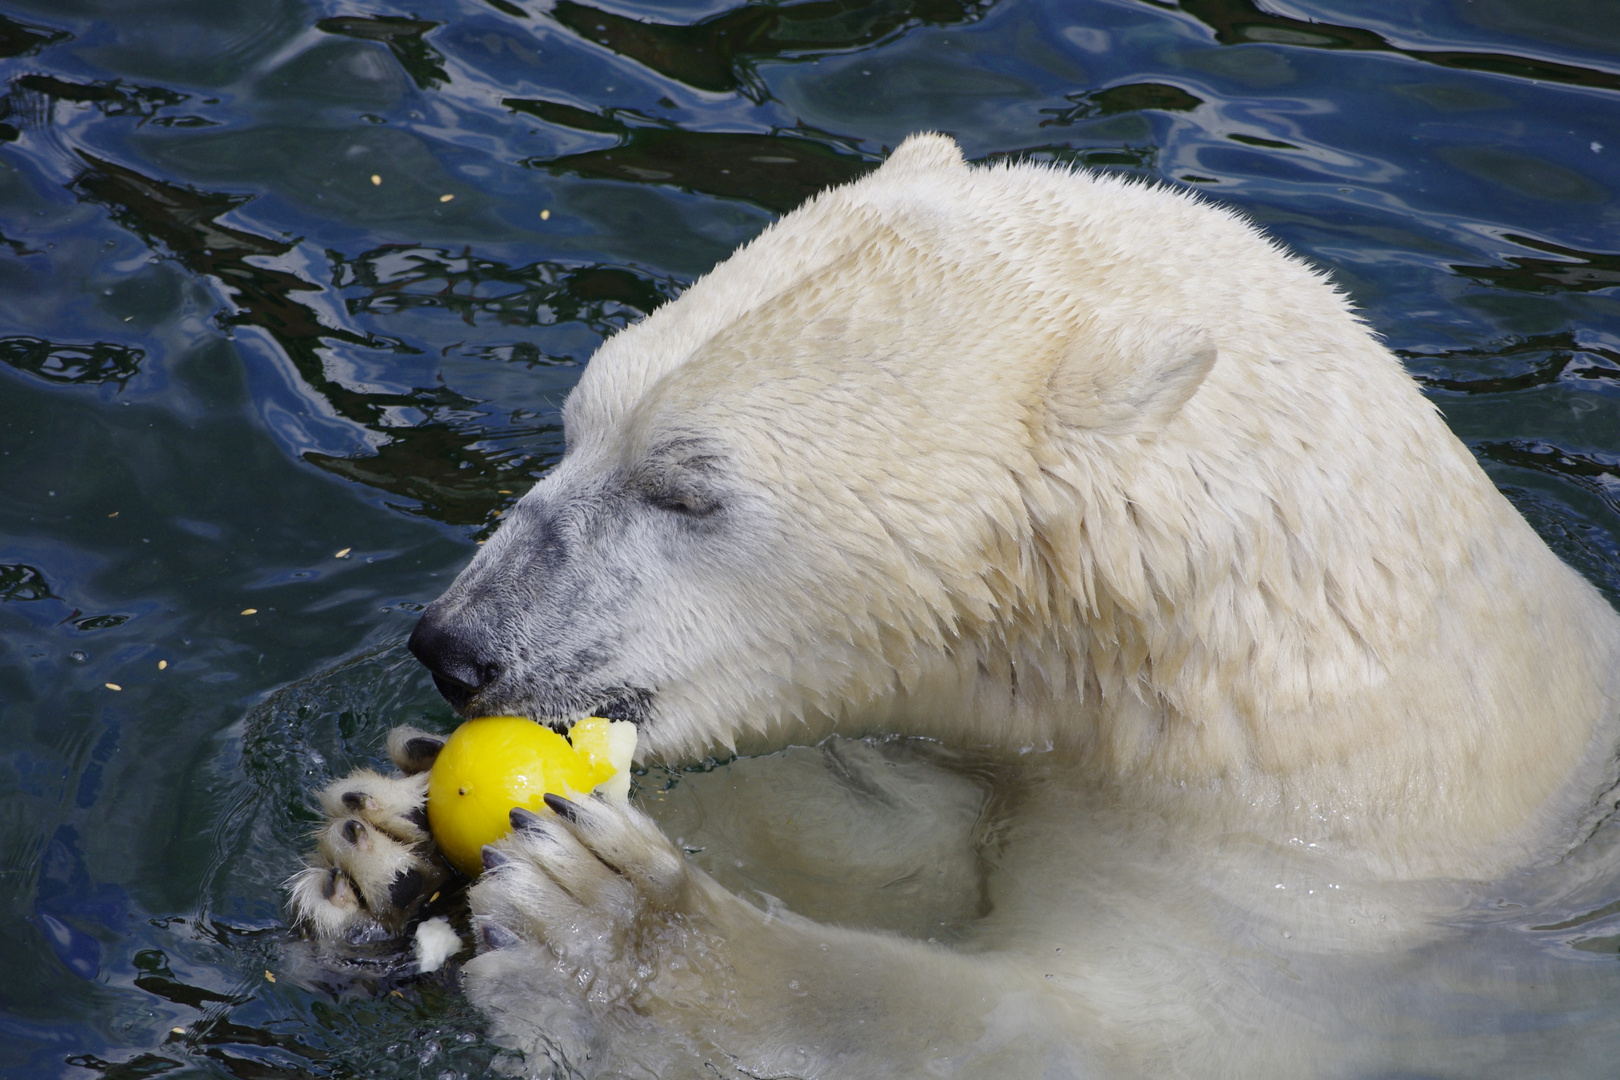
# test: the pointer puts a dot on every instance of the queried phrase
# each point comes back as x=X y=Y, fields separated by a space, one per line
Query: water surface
x=290 y=293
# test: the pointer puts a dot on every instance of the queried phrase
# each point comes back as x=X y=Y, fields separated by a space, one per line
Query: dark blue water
x=290 y=294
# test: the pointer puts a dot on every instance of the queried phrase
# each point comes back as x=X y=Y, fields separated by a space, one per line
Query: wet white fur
x=434 y=942
x=1031 y=460
x=1043 y=459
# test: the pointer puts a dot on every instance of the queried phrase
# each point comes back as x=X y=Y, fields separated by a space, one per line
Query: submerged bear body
x=1085 y=477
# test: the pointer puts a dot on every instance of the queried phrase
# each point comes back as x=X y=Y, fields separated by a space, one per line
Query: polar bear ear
x=923 y=152
x=1133 y=383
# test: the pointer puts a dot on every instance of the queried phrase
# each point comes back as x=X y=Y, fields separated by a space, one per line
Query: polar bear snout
x=541 y=622
x=458 y=654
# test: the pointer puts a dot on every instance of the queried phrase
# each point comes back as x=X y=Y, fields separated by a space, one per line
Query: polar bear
x=1083 y=473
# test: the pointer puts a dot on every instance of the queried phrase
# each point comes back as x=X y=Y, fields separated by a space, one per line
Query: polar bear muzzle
x=462 y=657
x=536 y=624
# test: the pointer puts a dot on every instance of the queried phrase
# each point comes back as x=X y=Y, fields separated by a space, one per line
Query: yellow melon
x=493 y=763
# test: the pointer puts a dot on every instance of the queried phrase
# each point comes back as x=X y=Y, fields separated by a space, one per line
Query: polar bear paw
x=374 y=864
x=603 y=952
x=581 y=880
x=598 y=942
x=601 y=897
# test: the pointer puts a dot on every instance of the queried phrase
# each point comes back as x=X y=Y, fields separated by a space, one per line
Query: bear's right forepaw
x=374 y=866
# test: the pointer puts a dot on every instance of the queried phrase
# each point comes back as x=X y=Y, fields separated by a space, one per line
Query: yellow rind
x=494 y=763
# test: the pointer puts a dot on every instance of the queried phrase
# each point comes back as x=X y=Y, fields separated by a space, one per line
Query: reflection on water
x=1568 y=269
x=1239 y=21
x=290 y=294
x=771 y=171
x=405 y=38
x=100 y=362
x=721 y=53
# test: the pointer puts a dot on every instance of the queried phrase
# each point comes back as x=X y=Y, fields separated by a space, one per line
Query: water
x=280 y=281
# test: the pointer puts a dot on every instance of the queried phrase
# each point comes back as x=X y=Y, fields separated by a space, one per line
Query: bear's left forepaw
x=597 y=939
x=615 y=907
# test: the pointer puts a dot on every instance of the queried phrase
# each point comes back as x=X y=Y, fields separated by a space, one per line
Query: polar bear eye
x=685 y=503
x=676 y=494
x=679 y=477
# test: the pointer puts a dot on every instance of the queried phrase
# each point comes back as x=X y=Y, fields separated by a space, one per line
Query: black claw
x=562 y=807
x=497 y=936
x=354 y=800
x=406 y=887
x=493 y=858
x=419 y=818
x=524 y=820
x=330 y=885
x=353 y=831
x=422 y=751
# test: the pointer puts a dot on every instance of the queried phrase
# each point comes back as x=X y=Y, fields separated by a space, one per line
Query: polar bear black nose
x=455 y=656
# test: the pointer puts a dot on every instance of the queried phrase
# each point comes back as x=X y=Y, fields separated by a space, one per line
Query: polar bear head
x=1010 y=452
